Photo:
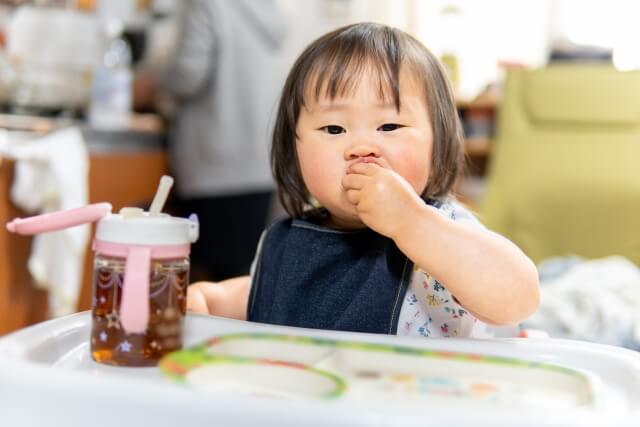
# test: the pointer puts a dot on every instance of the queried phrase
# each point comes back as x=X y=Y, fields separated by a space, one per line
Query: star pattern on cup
x=113 y=320
x=124 y=346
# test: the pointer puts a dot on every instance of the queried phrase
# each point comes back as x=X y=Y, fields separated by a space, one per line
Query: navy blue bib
x=311 y=276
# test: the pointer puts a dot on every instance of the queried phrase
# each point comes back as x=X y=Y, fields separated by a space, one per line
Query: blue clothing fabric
x=312 y=276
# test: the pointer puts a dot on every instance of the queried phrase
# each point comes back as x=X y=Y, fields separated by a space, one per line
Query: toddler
x=366 y=148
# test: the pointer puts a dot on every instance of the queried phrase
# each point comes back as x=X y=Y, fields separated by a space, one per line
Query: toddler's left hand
x=383 y=199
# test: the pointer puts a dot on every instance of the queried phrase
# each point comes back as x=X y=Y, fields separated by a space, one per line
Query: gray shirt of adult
x=225 y=76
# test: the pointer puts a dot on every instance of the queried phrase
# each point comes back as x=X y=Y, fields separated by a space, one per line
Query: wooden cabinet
x=20 y=302
x=124 y=178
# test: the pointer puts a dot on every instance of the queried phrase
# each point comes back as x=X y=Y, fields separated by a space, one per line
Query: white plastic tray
x=47 y=377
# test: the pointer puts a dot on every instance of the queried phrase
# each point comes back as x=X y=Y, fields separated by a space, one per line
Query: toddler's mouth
x=368 y=159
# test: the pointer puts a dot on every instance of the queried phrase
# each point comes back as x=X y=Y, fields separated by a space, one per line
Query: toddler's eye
x=333 y=129
x=388 y=127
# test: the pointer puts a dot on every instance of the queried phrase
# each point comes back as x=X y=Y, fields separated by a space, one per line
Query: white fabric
x=596 y=300
x=51 y=174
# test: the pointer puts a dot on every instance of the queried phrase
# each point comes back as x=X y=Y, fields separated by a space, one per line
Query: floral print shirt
x=429 y=309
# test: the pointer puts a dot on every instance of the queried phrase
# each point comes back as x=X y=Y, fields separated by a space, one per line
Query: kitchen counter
x=145 y=131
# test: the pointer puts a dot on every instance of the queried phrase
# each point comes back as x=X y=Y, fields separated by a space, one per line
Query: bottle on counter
x=110 y=104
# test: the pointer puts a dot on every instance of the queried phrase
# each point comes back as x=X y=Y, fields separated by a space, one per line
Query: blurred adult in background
x=224 y=77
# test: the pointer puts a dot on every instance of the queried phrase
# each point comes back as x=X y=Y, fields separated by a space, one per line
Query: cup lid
x=134 y=226
x=130 y=226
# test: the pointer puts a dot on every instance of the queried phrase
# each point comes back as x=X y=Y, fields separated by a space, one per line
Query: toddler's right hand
x=227 y=298
x=196 y=300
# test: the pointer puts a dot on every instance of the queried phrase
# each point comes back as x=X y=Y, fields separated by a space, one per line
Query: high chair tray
x=247 y=374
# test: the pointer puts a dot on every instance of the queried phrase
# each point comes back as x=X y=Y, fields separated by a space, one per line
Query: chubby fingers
x=356 y=178
x=353 y=196
x=353 y=181
x=363 y=168
x=352 y=185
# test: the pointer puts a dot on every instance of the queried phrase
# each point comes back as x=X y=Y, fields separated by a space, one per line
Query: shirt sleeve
x=194 y=57
x=454 y=210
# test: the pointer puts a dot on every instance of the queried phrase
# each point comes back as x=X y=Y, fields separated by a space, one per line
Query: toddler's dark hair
x=334 y=63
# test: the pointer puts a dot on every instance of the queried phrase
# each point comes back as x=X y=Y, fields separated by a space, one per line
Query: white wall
x=610 y=24
x=488 y=31
x=310 y=19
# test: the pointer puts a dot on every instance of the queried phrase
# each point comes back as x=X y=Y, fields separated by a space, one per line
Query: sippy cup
x=140 y=276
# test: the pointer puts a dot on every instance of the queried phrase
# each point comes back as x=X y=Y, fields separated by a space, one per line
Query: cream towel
x=51 y=174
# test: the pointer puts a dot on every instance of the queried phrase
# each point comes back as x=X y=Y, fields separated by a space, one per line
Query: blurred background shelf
x=478 y=121
x=478 y=146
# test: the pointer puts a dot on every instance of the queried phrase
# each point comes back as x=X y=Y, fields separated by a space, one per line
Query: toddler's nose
x=362 y=149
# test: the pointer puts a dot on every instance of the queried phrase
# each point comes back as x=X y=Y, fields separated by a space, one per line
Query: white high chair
x=47 y=377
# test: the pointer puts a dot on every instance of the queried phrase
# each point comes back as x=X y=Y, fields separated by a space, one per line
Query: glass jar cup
x=110 y=343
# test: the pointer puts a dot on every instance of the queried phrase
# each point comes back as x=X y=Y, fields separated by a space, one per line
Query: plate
x=363 y=374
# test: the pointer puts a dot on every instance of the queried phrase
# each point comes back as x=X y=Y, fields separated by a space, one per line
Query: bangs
x=337 y=69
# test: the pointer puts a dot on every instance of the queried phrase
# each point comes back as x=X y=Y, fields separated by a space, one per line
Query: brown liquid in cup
x=110 y=344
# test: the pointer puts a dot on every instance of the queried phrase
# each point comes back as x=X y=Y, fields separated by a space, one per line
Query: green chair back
x=565 y=174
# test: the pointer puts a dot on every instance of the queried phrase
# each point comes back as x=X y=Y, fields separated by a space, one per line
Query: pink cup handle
x=134 y=308
x=59 y=220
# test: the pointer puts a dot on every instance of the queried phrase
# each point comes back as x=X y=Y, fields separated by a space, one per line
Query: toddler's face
x=333 y=134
